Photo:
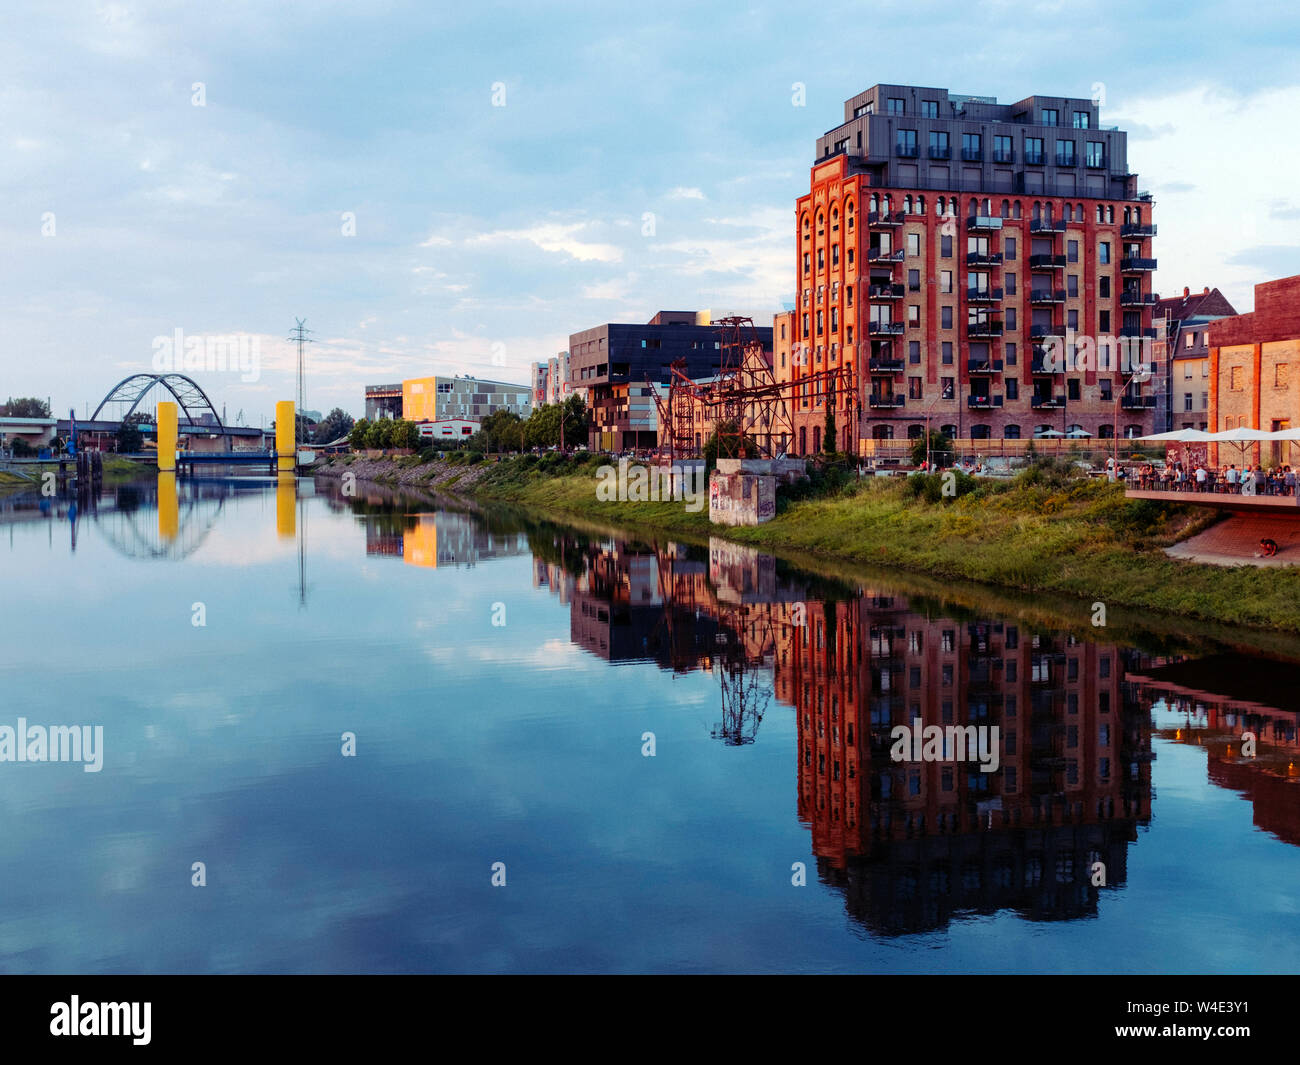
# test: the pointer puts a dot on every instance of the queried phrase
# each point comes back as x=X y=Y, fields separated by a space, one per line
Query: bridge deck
x=1285 y=506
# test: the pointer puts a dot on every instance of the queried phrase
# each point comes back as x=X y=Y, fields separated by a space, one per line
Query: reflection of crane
x=745 y=691
x=134 y=532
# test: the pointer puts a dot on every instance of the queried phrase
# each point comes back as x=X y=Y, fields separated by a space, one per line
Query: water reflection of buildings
x=908 y=844
x=1218 y=699
x=442 y=539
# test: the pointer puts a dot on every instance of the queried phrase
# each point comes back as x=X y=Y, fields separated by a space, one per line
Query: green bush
x=929 y=486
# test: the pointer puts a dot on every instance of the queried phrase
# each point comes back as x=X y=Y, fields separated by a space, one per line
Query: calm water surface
x=501 y=674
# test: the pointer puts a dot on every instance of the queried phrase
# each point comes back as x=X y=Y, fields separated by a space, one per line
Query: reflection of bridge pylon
x=750 y=645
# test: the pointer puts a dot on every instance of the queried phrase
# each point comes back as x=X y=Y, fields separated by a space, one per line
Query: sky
x=456 y=188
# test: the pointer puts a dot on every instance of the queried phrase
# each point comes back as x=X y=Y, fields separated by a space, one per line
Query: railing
x=884 y=218
x=1135 y=331
x=1037 y=332
x=1137 y=299
x=1137 y=229
x=984 y=295
x=1047 y=402
x=983 y=402
x=885 y=401
x=884 y=329
x=1044 y=225
x=984 y=365
x=984 y=221
x=1047 y=295
x=972 y=155
x=1007 y=155
x=984 y=329
x=977 y=258
x=1042 y=262
x=906 y=151
x=1033 y=158
x=885 y=292
x=940 y=153
x=1133 y=265
x=879 y=255
x=1127 y=402
x=890 y=365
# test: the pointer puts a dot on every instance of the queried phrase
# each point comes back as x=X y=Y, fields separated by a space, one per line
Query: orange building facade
x=1255 y=373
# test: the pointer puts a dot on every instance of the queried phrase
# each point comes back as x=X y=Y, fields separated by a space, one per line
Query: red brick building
x=943 y=241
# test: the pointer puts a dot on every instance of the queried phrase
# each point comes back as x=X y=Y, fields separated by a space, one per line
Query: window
x=939 y=145
x=945 y=314
x=1009 y=250
x=914 y=352
x=1012 y=388
x=1072 y=251
x=1011 y=319
x=1103 y=252
x=1103 y=322
x=1072 y=319
x=1235 y=379
x=905 y=143
x=1051 y=116
x=947 y=387
x=1281 y=375
x=1105 y=389
x=1096 y=154
x=913 y=316
x=945 y=281
x=1033 y=151
x=914 y=388
x=1065 y=153
x=1003 y=152
x=914 y=281
x=1010 y=355
x=1072 y=388
x=1081 y=120
x=1103 y=287
x=971 y=147
x=894 y=105
x=914 y=244
x=945 y=247
x=1072 y=286
x=929 y=108
x=945 y=353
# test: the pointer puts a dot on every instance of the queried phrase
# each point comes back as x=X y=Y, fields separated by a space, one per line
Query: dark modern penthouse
x=910 y=137
x=614 y=361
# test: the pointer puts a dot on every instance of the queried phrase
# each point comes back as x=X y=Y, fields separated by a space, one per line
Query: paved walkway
x=1235 y=542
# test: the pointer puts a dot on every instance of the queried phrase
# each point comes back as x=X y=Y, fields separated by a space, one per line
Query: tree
x=129 y=437
x=359 y=433
x=335 y=424
x=575 y=422
x=25 y=407
x=940 y=449
x=828 y=434
x=723 y=443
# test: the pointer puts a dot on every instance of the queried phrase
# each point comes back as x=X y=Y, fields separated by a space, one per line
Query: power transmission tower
x=299 y=334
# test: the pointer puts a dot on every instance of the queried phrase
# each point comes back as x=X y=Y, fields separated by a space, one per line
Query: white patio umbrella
x=1049 y=432
x=1078 y=434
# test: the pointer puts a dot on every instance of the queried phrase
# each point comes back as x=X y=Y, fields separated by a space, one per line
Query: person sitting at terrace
x=1232 y=478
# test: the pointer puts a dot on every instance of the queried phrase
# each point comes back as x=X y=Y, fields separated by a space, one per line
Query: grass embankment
x=1045 y=532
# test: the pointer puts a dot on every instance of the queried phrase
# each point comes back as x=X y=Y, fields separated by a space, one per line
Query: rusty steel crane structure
x=746 y=402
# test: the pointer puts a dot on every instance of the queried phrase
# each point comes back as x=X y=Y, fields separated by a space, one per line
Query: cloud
x=557 y=239
x=683 y=193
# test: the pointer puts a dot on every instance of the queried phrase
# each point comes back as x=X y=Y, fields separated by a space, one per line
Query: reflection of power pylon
x=746 y=689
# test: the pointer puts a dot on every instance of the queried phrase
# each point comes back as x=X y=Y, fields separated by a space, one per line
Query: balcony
x=984 y=365
x=983 y=295
x=1137 y=229
x=1004 y=155
x=879 y=255
x=885 y=365
x=984 y=222
x=1040 y=332
x=1047 y=295
x=906 y=151
x=979 y=258
x=1047 y=262
x=983 y=402
x=937 y=152
x=1044 y=225
x=1047 y=402
x=884 y=329
x=1130 y=402
x=984 y=329
x=972 y=155
x=885 y=402
x=1137 y=299
x=1136 y=266
x=885 y=292
x=1137 y=331
x=881 y=219
x=1037 y=365
x=1033 y=158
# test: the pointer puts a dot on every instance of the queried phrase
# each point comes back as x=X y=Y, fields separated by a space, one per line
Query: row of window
x=897 y=105
x=972 y=150
x=949 y=206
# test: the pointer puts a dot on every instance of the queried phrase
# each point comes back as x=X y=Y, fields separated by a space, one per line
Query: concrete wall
x=741 y=498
